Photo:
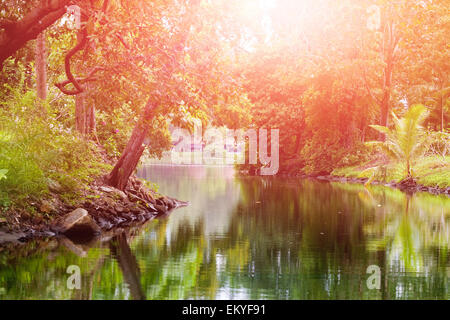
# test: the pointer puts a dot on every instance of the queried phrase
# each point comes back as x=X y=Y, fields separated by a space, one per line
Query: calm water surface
x=251 y=238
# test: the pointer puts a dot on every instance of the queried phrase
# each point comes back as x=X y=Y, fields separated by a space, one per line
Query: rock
x=116 y=192
x=408 y=182
x=122 y=195
x=166 y=202
x=119 y=209
x=78 y=221
x=148 y=215
x=151 y=207
x=10 y=237
x=47 y=234
x=105 y=224
x=106 y=189
x=137 y=210
x=160 y=208
x=135 y=198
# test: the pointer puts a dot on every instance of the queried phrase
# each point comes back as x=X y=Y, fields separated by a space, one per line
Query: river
x=252 y=238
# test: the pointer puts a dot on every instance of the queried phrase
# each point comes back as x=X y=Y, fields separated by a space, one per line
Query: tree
x=407 y=140
x=133 y=151
x=41 y=69
x=144 y=51
x=321 y=79
x=16 y=33
x=305 y=77
x=423 y=71
x=183 y=75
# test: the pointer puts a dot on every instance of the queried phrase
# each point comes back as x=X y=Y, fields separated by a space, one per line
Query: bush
x=36 y=150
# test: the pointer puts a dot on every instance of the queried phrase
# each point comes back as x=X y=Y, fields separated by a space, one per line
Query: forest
x=358 y=89
x=94 y=94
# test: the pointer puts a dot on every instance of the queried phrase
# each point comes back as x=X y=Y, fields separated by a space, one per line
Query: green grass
x=36 y=151
x=432 y=171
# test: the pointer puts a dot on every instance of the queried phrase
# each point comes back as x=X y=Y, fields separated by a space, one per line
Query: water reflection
x=253 y=238
x=121 y=251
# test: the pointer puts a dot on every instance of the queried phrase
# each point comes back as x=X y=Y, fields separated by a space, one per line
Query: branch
x=88 y=78
x=16 y=34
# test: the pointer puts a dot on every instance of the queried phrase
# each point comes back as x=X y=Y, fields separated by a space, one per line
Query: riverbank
x=102 y=208
x=408 y=186
x=48 y=170
x=431 y=174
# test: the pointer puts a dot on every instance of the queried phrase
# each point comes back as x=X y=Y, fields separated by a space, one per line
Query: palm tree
x=407 y=140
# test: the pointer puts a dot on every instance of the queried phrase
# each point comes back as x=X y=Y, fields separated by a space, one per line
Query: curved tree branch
x=89 y=78
x=71 y=79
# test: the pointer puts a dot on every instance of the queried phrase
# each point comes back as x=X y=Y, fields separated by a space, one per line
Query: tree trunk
x=408 y=168
x=85 y=114
x=90 y=121
x=390 y=43
x=298 y=144
x=129 y=159
x=80 y=119
x=80 y=101
x=41 y=71
x=442 y=115
x=385 y=102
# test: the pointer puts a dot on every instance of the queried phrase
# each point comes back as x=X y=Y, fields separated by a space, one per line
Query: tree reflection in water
x=253 y=238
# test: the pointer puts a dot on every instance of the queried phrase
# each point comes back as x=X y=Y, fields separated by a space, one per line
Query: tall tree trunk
x=85 y=122
x=442 y=107
x=91 y=122
x=80 y=102
x=84 y=111
x=41 y=71
x=385 y=106
x=298 y=144
x=129 y=159
x=390 y=43
x=80 y=119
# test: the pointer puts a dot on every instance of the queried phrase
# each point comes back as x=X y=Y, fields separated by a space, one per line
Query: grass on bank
x=37 y=152
x=406 y=145
x=430 y=171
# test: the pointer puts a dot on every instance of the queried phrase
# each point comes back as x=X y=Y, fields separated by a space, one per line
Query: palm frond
x=380 y=129
x=407 y=140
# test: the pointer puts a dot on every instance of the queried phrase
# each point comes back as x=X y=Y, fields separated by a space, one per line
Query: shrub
x=36 y=150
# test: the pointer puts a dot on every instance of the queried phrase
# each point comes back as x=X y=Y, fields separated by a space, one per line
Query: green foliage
x=430 y=171
x=36 y=150
x=113 y=129
x=3 y=173
x=407 y=141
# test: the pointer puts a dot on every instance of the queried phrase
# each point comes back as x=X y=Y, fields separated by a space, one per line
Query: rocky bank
x=102 y=209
